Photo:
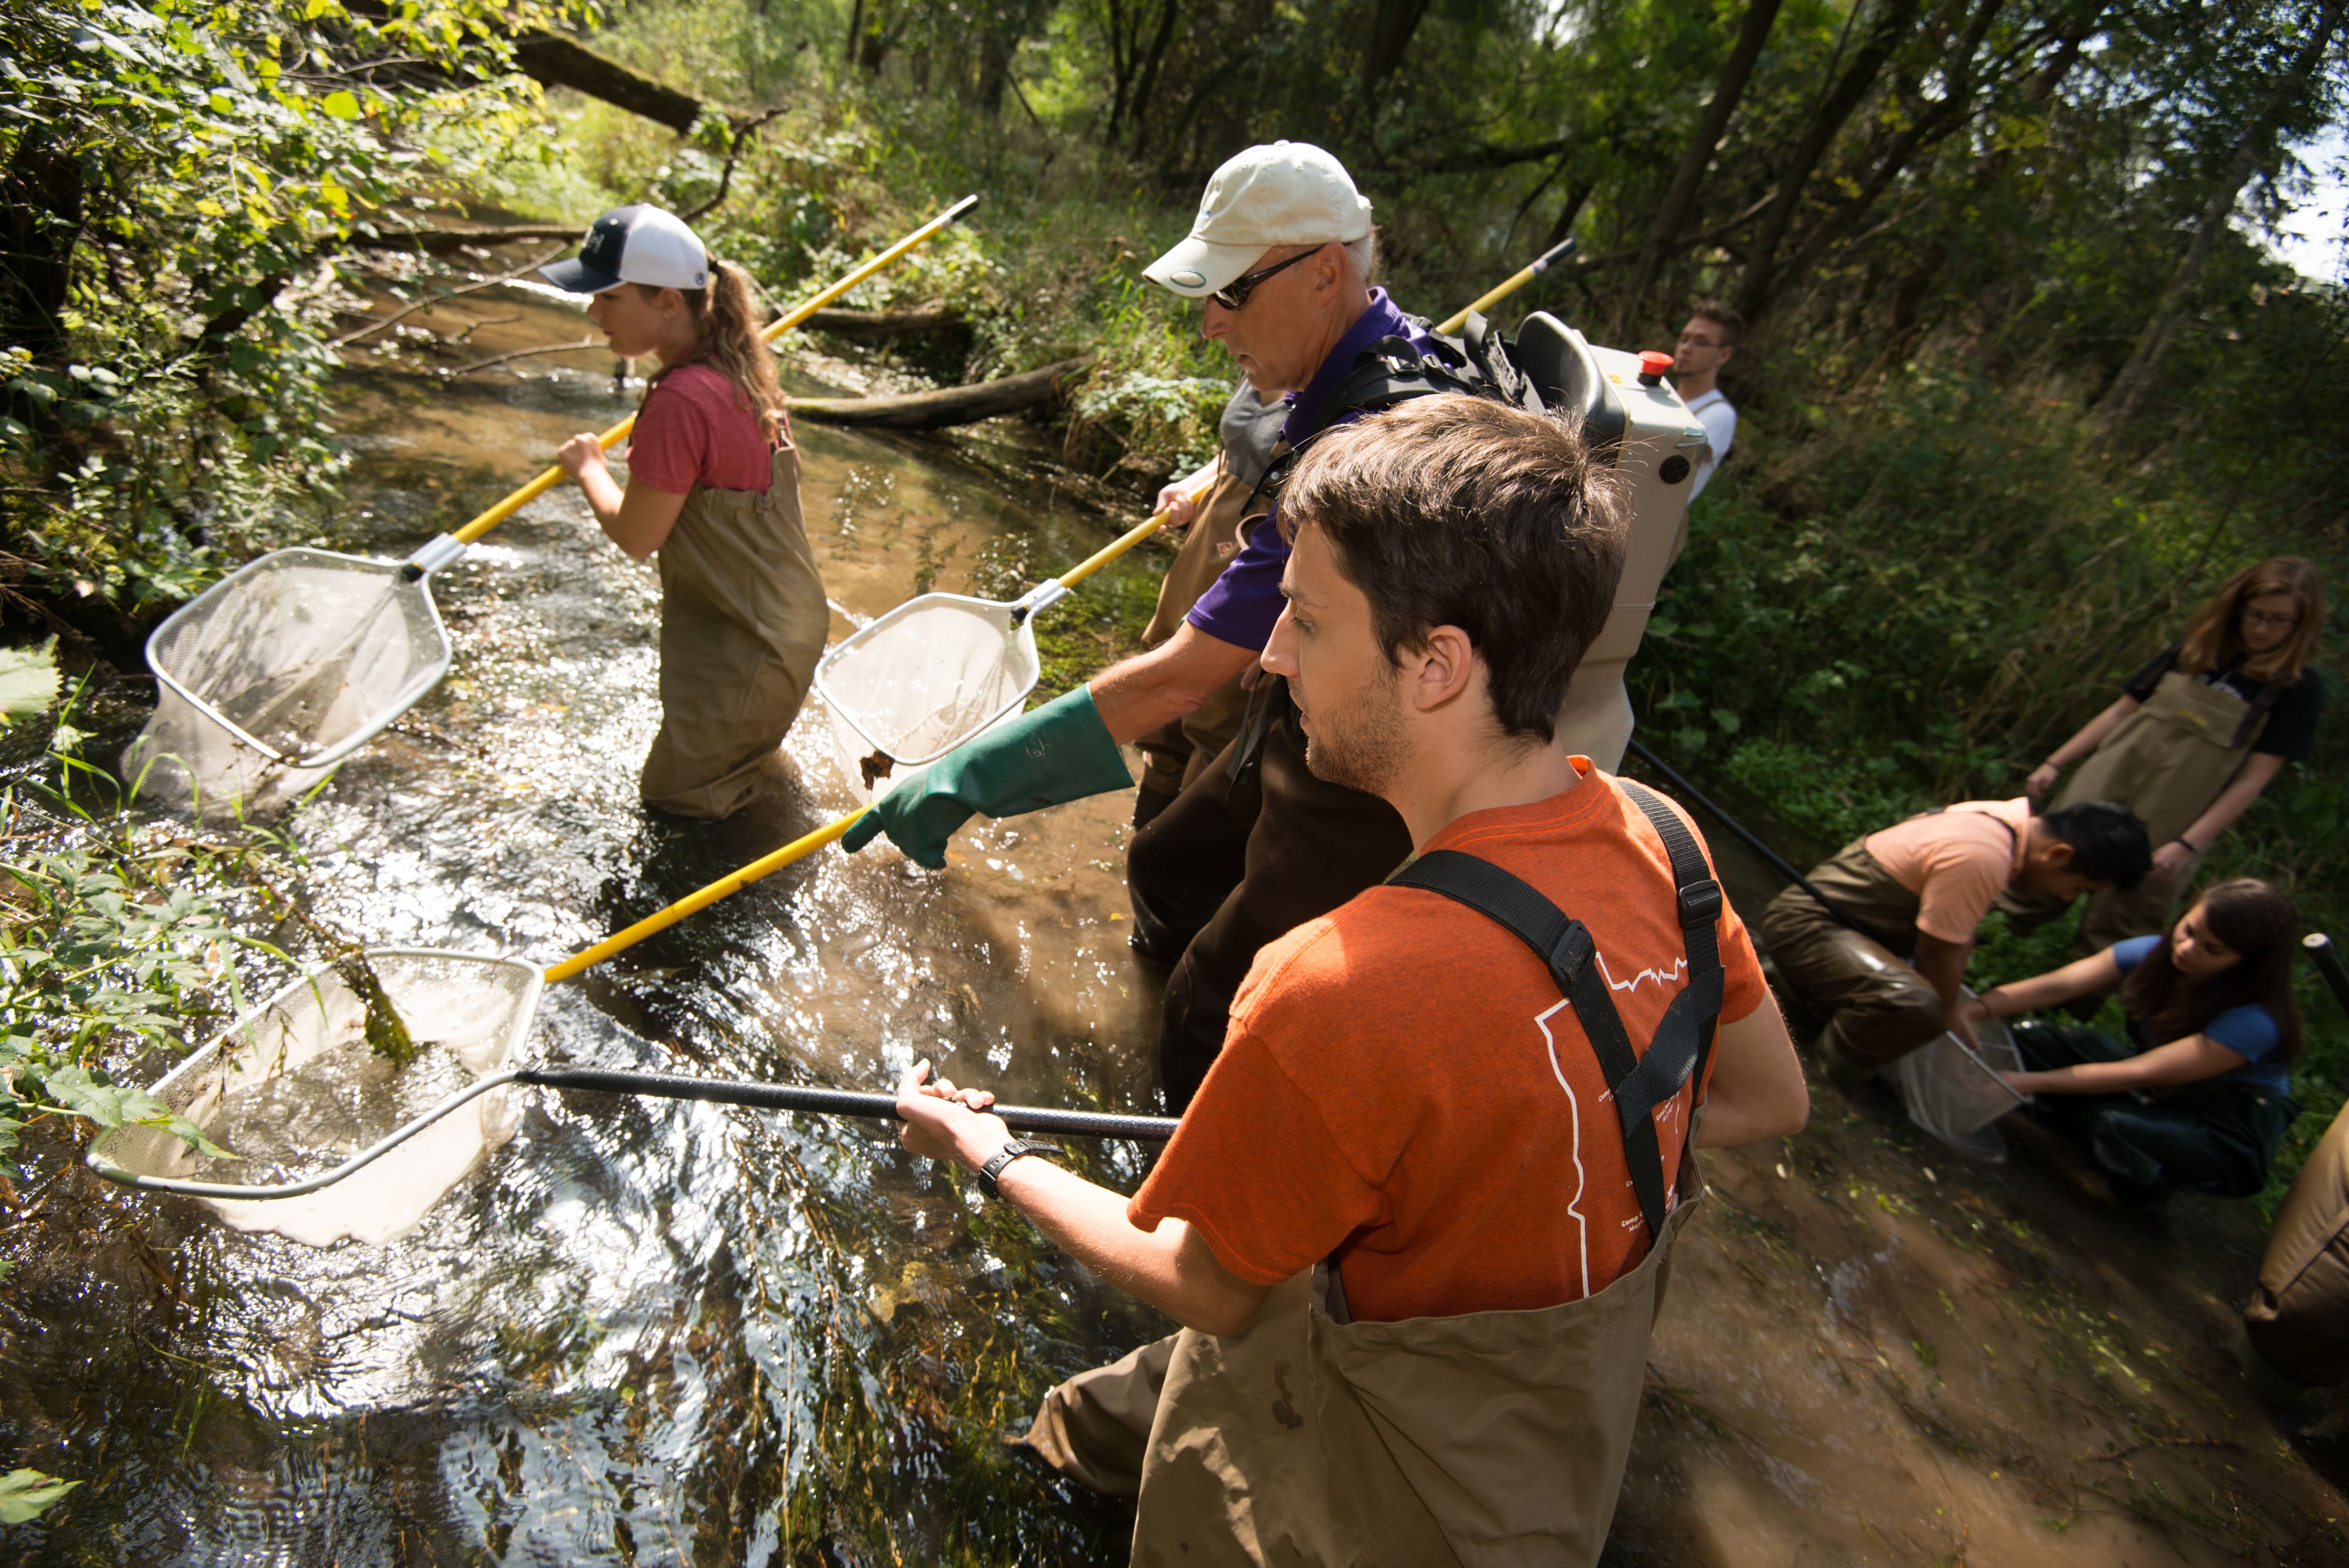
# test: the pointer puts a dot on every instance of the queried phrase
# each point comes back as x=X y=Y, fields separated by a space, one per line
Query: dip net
x=295 y=1089
x=921 y=680
x=1955 y=1092
x=276 y=673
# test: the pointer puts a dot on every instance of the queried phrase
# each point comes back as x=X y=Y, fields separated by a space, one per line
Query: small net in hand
x=278 y=672
x=921 y=680
x=293 y=1090
x=1956 y=1094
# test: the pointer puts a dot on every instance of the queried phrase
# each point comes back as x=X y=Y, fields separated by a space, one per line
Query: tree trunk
x=558 y=61
x=1925 y=131
x=40 y=222
x=2129 y=387
x=949 y=406
x=1688 y=180
x=1148 y=82
x=1892 y=24
x=1392 y=23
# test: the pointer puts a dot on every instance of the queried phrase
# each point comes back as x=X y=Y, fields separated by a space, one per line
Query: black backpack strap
x=1638 y=1083
x=1700 y=903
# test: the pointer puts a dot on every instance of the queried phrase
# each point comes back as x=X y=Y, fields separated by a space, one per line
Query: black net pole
x=835 y=1102
x=1752 y=840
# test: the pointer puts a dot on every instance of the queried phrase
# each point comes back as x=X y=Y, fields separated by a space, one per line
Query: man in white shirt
x=1713 y=334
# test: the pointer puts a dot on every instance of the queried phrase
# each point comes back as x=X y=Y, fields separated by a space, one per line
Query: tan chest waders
x=1877 y=1007
x=743 y=619
x=1490 y=1439
x=2298 y=1319
x=1180 y=750
x=2167 y=761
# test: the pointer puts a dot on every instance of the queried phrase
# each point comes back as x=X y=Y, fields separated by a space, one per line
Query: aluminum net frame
x=293 y=1092
x=279 y=672
x=1955 y=1092
x=924 y=678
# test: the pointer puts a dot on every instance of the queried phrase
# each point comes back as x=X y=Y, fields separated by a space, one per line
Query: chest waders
x=1179 y=751
x=2298 y=1320
x=743 y=619
x=1493 y=1437
x=1851 y=962
x=2167 y=761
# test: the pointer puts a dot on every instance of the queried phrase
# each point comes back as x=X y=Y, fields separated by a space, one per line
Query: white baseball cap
x=1288 y=193
x=634 y=244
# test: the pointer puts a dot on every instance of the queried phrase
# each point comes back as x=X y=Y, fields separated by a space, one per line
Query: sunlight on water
x=639 y=1331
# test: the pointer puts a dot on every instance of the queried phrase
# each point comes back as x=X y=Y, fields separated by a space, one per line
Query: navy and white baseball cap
x=634 y=244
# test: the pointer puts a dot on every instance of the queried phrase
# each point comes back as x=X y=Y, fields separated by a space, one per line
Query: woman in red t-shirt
x=713 y=496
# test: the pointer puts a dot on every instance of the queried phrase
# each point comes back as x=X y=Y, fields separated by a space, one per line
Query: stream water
x=643 y=1331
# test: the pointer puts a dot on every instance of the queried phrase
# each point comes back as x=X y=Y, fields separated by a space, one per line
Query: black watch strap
x=1006 y=1155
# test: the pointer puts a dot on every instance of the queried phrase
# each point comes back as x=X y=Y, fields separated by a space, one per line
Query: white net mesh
x=1956 y=1094
x=307 y=653
x=293 y=1090
x=924 y=678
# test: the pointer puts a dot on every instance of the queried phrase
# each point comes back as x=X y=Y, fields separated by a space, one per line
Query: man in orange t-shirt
x=1483 y=1121
x=1915 y=891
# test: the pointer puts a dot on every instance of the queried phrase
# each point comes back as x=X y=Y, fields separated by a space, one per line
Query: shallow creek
x=650 y=1332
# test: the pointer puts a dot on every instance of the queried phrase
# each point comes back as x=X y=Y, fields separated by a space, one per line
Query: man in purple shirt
x=1280 y=253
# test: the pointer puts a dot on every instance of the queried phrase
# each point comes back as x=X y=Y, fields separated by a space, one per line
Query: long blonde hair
x=730 y=345
x=2214 y=637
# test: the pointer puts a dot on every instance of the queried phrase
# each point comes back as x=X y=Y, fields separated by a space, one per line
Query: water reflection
x=650 y=1331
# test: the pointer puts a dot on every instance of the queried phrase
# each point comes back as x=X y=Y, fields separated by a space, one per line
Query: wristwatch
x=1006 y=1155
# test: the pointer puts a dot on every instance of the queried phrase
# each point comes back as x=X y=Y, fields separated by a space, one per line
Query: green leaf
x=76 y=1091
x=28 y=680
x=341 y=106
x=26 y=1495
x=187 y=1132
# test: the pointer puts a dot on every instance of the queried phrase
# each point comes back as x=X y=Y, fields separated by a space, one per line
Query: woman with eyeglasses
x=2195 y=736
x=2199 y=1093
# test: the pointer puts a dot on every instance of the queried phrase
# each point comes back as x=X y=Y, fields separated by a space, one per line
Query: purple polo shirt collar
x=1242 y=604
x=1381 y=320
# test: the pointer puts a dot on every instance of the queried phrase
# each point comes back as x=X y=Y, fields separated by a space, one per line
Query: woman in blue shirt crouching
x=2198 y=1095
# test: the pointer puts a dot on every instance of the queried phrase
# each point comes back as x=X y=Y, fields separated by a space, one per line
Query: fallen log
x=555 y=60
x=882 y=323
x=951 y=406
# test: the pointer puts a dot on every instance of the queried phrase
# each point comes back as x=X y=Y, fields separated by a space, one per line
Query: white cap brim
x=1194 y=268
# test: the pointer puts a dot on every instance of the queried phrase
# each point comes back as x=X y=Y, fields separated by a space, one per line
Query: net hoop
x=206 y=605
x=855 y=693
x=145 y=1157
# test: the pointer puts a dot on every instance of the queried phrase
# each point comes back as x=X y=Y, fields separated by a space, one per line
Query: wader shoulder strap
x=2256 y=719
x=1683 y=1041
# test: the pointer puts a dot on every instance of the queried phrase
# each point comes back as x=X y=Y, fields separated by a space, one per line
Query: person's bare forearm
x=1089 y=1223
x=1756 y=1089
x=2187 y=1061
x=604 y=497
x=2082 y=977
x=1167 y=683
x=1942 y=963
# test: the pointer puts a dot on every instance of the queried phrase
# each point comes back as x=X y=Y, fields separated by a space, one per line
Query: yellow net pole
x=798 y=848
x=619 y=432
x=1547 y=260
x=1126 y=541
x=724 y=887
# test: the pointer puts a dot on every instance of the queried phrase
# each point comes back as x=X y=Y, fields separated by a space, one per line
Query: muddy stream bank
x=649 y=1332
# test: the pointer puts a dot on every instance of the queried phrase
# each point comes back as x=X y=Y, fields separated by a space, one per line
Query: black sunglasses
x=1234 y=294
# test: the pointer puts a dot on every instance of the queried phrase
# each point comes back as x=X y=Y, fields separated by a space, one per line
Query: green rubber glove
x=1061 y=752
